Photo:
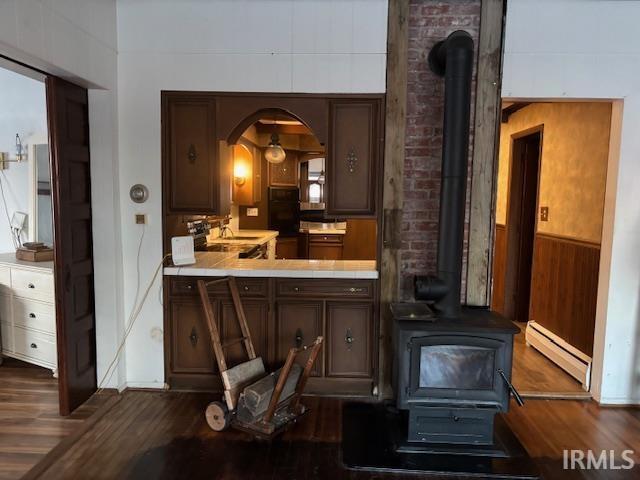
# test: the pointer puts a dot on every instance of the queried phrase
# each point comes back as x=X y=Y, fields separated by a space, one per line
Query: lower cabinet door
x=256 y=313
x=298 y=323
x=191 y=350
x=349 y=332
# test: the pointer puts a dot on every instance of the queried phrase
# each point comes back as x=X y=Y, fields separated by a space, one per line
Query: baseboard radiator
x=570 y=359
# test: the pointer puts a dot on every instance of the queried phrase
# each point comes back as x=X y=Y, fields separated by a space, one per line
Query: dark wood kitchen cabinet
x=282 y=313
x=284 y=174
x=298 y=323
x=355 y=144
x=325 y=247
x=349 y=339
x=194 y=164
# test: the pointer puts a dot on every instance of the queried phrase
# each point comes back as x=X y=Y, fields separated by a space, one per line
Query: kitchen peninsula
x=280 y=191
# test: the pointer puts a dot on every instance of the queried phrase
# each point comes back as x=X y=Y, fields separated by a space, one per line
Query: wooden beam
x=511 y=109
x=486 y=140
x=392 y=201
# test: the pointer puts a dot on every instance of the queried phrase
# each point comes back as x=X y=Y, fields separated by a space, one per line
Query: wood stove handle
x=513 y=390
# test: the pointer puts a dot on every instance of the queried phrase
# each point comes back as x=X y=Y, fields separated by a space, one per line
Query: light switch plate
x=252 y=212
x=544 y=214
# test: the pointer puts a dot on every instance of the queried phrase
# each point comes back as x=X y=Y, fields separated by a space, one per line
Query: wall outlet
x=544 y=214
x=141 y=219
x=252 y=212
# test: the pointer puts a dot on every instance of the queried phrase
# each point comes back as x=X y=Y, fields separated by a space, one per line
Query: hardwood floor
x=29 y=422
x=163 y=435
x=534 y=375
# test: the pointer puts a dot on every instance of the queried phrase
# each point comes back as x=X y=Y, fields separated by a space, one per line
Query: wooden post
x=486 y=140
x=393 y=194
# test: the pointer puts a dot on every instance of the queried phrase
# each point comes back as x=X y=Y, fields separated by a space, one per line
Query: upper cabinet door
x=352 y=159
x=192 y=168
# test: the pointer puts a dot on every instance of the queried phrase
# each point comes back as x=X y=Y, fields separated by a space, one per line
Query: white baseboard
x=566 y=356
x=156 y=385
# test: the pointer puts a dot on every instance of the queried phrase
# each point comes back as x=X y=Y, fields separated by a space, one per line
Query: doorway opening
x=47 y=314
x=549 y=213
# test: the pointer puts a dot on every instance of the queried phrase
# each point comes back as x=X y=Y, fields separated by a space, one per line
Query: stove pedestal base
x=374 y=439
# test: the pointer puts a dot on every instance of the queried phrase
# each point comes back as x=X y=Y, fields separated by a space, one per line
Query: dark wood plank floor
x=536 y=375
x=163 y=435
x=29 y=422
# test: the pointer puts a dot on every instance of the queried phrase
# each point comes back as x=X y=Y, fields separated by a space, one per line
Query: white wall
x=23 y=110
x=250 y=45
x=76 y=40
x=571 y=49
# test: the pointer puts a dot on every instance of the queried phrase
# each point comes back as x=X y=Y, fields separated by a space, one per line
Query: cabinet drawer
x=36 y=315
x=28 y=284
x=329 y=238
x=325 y=288
x=39 y=346
x=248 y=287
x=6 y=332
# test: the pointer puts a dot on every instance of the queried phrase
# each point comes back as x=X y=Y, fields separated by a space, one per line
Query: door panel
x=191 y=350
x=349 y=327
x=298 y=324
x=67 y=106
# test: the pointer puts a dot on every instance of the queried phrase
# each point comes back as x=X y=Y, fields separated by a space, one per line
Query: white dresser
x=27 y=311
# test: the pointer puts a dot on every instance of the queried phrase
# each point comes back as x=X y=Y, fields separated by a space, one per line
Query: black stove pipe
x=453 y=59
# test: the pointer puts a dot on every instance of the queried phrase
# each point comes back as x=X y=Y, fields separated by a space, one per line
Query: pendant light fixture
x=274 y=153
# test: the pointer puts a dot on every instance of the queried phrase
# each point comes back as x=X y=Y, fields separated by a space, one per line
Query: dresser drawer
x=6 y=332
x=329 y=238
x=33 y=314
x=29 y=284
x=248 y=287
x=39 y=346
x=325 y=288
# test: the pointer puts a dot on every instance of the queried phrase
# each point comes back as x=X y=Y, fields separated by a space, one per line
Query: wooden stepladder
x=254 y=401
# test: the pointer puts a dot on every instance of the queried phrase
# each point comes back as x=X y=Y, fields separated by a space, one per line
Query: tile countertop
x=260 y=237
x=9 y=260
x=212 y=264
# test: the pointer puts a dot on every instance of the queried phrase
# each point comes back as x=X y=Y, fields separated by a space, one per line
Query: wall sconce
x=239 y=174
x=21 y=150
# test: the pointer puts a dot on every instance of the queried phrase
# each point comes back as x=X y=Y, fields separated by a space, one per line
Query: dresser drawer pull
x=246 y=288
x=189 y=287
x=299 y=338
x=355 y=290
x=31 y=285
x=296 y=289
x=348 y=339
x=32 y=315
x=193 y=337
x=33 y=345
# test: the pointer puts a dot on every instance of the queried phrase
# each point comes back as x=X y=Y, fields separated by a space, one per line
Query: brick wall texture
x=429 y=22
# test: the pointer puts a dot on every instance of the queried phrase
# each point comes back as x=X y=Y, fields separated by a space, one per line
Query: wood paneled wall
x=564 y=287
x=499 y=268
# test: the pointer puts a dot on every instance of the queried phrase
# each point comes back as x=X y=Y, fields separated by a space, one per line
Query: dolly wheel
x=217 y=416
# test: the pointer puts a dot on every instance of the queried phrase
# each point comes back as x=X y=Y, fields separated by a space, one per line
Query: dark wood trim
x=486 y=140
x=564 y=288
x=499 y=265
x=237 y=132
x=511 y=109
x=569 y=239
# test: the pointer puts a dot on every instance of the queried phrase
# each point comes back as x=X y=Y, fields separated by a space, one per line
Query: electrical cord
x=6 y=211
x=137 y=307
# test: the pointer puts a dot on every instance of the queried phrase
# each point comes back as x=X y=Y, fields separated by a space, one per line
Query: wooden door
x=68 y=118
x=191 y=351
x=190 y=152
x=349 y=328
x=352 y=158
x=521 y=225
x=298 y=323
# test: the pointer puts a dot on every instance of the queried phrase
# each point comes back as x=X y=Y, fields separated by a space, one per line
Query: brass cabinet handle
x=348 y=339
x=352 y=161
x=33 y=345
x=193 y=337
x=355 y=290
x=299 y=338
x=296 y=289
x=246 y=288
x=31 y=285
x=191 y=154
x=189 y=287
x=32 y=315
